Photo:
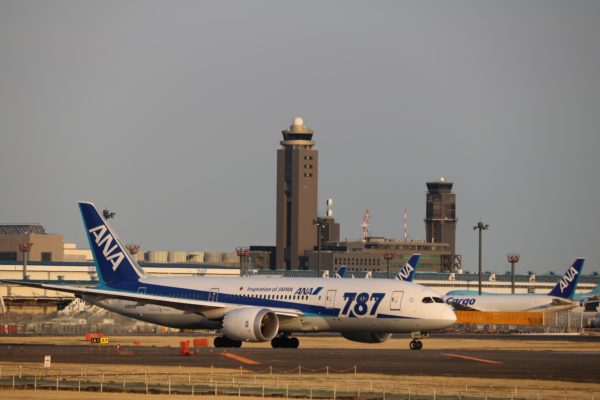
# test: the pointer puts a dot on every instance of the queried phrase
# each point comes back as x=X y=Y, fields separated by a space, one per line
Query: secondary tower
x=440 y=217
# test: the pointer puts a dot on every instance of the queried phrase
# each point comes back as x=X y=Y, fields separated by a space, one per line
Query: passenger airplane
x=255 y=309
x=560 y=295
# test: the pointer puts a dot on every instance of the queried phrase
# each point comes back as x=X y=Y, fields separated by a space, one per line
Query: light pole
x=512 y=258
x=481 y=227
x=320 y=222
x=133 y=250
x=25 y=248
x=107 y=214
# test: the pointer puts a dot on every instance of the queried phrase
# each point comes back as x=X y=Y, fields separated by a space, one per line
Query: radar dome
x=298 y=121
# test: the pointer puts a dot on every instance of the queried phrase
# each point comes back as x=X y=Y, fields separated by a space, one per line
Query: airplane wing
x=190 y=305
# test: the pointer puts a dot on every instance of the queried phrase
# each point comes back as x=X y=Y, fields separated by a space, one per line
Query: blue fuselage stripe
x=171 y=292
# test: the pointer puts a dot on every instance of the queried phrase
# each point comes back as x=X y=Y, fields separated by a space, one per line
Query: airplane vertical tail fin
x=565 y=288
x=341 y=271
x=407 y=273
x=113 y=261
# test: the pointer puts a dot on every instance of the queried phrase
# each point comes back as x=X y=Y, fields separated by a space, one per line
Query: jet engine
x=251 y=324
x=367 y=337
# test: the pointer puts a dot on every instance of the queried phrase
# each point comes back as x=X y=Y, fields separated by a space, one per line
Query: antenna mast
x=405 y=227
x=365 y=225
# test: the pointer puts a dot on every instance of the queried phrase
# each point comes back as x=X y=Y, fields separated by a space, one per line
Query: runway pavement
x=555 y=365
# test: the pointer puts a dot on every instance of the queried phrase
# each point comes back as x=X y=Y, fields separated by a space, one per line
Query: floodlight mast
x=107 y=214
x=481 y=227
x=25 y=248
x=320 y=222
x=512 y=258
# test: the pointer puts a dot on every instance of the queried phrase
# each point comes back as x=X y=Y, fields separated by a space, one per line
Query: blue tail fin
x=565 y=288
x=113 y=261
x=407 y=273
x=341 y=271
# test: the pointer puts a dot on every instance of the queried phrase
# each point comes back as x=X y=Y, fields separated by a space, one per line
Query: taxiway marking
x=483 y=360
x=240 y=358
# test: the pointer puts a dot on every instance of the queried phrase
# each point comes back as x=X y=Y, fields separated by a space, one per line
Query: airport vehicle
x=560 y=296
x=256 y=309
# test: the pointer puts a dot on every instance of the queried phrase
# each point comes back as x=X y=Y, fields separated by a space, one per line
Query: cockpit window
x=427 y=300
x=438 y=300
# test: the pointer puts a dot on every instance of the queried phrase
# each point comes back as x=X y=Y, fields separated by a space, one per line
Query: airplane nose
x=448 y=316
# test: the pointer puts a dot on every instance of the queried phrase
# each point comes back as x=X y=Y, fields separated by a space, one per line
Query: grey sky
x=170 y=113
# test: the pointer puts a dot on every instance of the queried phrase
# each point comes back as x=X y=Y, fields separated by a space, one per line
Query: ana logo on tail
x=567 y=285
x=407 y=272
x=102 y=237
x=404 y=273
x=568 y=278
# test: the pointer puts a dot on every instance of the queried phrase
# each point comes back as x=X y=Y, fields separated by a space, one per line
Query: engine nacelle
x=251 y=324
x=367 y=337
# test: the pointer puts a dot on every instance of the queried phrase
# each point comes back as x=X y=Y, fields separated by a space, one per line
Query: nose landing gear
x=415 y=343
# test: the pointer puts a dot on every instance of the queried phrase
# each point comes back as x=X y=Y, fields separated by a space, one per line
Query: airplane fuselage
x=340 y=305
x=505 y=302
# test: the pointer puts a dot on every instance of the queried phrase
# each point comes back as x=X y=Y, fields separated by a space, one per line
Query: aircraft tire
x=419 y=345
x=294 y=343
x=226 y=342
x=414 y=345
x=218 y=342
x=284 y=342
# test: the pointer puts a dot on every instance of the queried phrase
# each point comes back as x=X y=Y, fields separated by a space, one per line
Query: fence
x=326 y=383
x=564 y=321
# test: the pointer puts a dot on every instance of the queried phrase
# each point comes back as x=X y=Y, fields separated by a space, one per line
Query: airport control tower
x=440 y=217
x=297 y=173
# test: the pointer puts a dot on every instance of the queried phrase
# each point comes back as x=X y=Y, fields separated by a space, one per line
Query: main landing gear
x=224 y=341
x=415 y=343
x=285 y=342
